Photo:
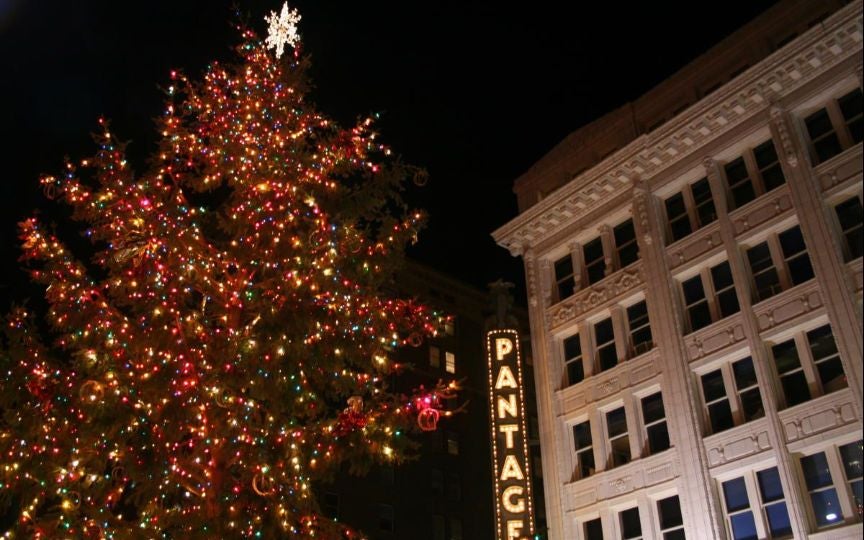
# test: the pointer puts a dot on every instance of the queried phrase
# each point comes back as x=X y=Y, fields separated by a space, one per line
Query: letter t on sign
x=503 y=346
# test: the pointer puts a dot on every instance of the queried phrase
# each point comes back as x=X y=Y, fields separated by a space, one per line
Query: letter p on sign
x=503 y=346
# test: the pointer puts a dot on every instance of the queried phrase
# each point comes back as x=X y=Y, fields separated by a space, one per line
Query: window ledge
x=600 y=294
x=820 y=414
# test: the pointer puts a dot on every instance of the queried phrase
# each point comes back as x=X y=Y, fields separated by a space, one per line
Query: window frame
x=632 y=348
x=848 y=255
x=733 y=397
x=645 y=425
x=778 y=260
x=674 y=528
x=839 y=483
x=809 y=366
x=711 y=295
x=840 y=127
x=618 y=265
x=568 y=361
x=754 y=493
x=597 y=346
x=608 y=438
x=577 y=452
x=561 y=281
x=754 y=173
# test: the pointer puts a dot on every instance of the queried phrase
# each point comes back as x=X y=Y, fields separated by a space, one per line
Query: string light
x=198 y=389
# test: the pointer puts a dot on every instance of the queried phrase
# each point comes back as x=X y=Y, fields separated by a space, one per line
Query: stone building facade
x=694 y=274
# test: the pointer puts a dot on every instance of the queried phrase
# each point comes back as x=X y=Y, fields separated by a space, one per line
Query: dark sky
x=474 y=91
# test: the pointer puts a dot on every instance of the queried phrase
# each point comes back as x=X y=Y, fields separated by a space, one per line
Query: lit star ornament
x=283 y=29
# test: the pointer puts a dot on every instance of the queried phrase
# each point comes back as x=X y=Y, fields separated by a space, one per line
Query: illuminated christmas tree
x=230 y=343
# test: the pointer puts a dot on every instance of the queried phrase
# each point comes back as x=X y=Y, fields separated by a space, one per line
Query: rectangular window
x=795 y=255
x=679 y=220
x=765 y=275
x=727 y=410
x=654 y=416
x=593 y=530
x=631 y=527
x=705 y=211
x=604 y=338
x=595 y=264
x=717 y=402
x=726 y=300
x=625 y=243
x=696 y=303
x=851 y=458
x=573 y=360
x=774 y=503
x=434 y=357
x=671 y=521
x=564 y=277
x=741 y=522
x=792 y=377
x=753 y=174
x=449 y=362
x=820 y=487
x=619 y=441
x=850 y=108
x=710 y=296
x=740 y=184
x=640 y=328
x=769 y=166
x=851 y=216
x=584 y=450
x=836 y=127
x=829 y=368
x=748 y=389
x=450 y=327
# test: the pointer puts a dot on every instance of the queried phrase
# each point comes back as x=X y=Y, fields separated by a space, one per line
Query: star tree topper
x=283 y=29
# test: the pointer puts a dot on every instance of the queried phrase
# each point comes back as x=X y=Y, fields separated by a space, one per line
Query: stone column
x=768 y=385
x=699 y=504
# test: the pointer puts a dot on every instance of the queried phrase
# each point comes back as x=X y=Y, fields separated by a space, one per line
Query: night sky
x=473 y=91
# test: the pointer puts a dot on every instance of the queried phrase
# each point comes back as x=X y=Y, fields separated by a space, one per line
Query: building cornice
x=820 y=49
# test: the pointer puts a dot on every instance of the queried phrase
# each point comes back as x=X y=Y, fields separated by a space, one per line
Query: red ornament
x=428 y=419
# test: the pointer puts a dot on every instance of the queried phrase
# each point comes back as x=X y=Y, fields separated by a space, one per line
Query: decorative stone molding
x=818 y=415
x=822 y=48
x=736 y=444
x=545 y=277
x=788 y=305
x=715 y=337
x=843 y=168
x=531 y=276
x=761 y=211
x=778 y=120
x=637 y=475
x=690 y=249
x=608 y=289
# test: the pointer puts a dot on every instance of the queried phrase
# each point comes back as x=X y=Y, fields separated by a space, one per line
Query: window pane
x=572 y=347
x=563 y=268
x=608 y=357
x=625 y=243
x=593 y=530
x=721 y=416
x=816 y=473
x=852 y=458
x=769 y=167
x=620 y=448
x=603 y=331
x=850 y=106
x=739 y=183
x=795 y=253
x=595 y=265
x=658 y=438
x=704 y=203
x=743 y=526
x=764 y=272
x=769 y=485
x=712 y=386
x=640 y=329
x=825 y=141
x=778 y=520
x=670 y=512
x=751 y=405
x=679 y=221
x=616 y=422
x=677 y=534
x=792 y=378
x=745 y=375
x=575 y=372
x=693 y=290
x=652 y=408
x=826 y=507
x=818 y=123
x=630 y=524
x=795 y=388
x=786 y=357
x=586 y=463
x=851 y=215
x=721 y=275
x=582 y=435
x=735 y=493
x=700 y=316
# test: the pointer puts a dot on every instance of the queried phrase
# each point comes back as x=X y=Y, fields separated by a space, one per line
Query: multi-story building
x=694 y=273
x=446 y=493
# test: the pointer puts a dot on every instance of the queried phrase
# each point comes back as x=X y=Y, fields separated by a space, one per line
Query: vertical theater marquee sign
x=514 y=516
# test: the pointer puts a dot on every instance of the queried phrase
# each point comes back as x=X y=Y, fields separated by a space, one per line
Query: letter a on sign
x=505 y=379
x=503 y=346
